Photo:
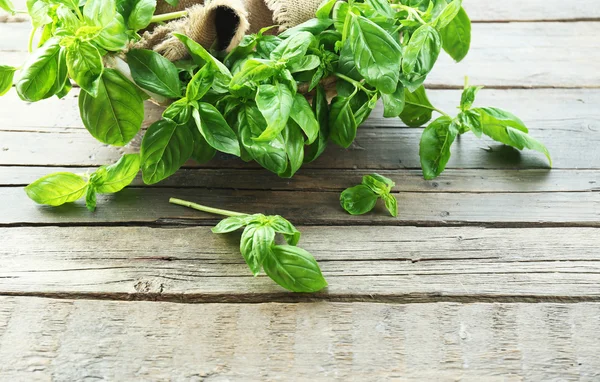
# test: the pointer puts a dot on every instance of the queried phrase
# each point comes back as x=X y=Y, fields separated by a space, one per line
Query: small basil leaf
x=342 y=123
x=306 y=63
x=303 y=115
x=113 y=36
x=294 y=144
x=499 y=117
x=456 y=36
x=231 y=224
x=294 y=269
x=393 y=104
x=468 y=96
x=275 y=103
x=179 y=111
x=141 y=14
x=202 y=56
x=281 y=225
x=200 y=84
x=85 y=66
x=435 y=145
x=254 y=70
x=57 y=189
x=378 y=184
x=293 y=48
x=39 y=12
x=417 y=110
x=391 y=204
x=420 y=55
x=448 y=14
x=99 y=12
x=116 y=114
x=119 y=175
x=7 y=75
x=470 y=120
x=321 y=110
x=91 y=198
x=153 y=72
x=215 y=129
x=358 y=200
x=39 y=73
x=376 y=53
x=255 y=245
x=165 y=148
x=7 y=5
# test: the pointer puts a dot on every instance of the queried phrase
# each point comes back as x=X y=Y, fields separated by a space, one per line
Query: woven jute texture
x=205 y=23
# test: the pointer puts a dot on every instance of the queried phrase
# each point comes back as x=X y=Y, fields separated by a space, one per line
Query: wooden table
x=491 y=272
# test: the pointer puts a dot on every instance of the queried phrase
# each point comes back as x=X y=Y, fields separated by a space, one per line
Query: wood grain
x=502 y=55
x=400 y=264
x=150 y=206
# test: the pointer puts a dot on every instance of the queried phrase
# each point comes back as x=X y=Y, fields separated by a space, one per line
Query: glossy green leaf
x=293 y=48
x=303 y=115
x=283 y=226
x=165 y=148
x=470 y=120
x=114 y=178
x=57 y=189
x=417 y=110
x=294 y=269
x=39 y=12
x=116 y=114
x=321 y=111
x=7 y=74
x=7 y=5
x=342 y=124
x=255 y=245
x=499 y=117
x=313 y=26
x=85 y=66
x=179 y=112
x=325 y=9
x=294 y=145
x=114 y=36
x=382 y=7
x=215 y=129
x=141 y=14
x=231 y=224
x=91 y=198
x=435 y=145
x=306 y=63
x=200 y=84
x=99 y=12
x=39 y=73
x=393 y=104
x=448 y=14
x=275 y=103
x=420 y=55
x=391 y=204
x=153 y=72
x=468 y=96
x=376 y=53
x=202 y=152
x=456 y=36
x=254 y=70
x=378 y=184
x=358 y=200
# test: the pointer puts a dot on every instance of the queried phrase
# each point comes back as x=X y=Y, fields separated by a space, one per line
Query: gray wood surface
x=490 y=273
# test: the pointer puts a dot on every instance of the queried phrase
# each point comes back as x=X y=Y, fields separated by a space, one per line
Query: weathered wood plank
x=502 y=55
x=43 y=339
x=150 y=206
x=463 y=180
x=403 y=264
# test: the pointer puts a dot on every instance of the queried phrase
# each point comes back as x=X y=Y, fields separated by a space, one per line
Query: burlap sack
x=223 y=23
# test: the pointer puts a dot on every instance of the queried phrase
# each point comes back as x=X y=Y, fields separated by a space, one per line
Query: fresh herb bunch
x=252 y=102
x=288 y=265
x=359 y=200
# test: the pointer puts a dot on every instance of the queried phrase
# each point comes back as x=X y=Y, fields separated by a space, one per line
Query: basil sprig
x=359 y=200
x=291 y=267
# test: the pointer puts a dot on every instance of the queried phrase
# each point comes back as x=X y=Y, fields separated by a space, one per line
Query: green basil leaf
x=283 y=226
x=340 y=13
x=306 y=63
x=200 y=84
x=448 y=14
x=266 y=44
x=294 y=269
x=99 y=12
x=393 y=104
x=113 y=36
x=288 y=80
x=179 y=112
x=255 y=245
x=141 y=14
x=116 y=114
x=382 y=7
x=153 y=72
x=417 y=110
x=275 y=103
x=85 y=66
x=294 y=144
x=365 y=110
x=57 y=189
x=203 y=152
x=456 y=36
x=468 y=96
x=293 y=48
x=67 y=19
x=254 y=70
x=91 y=198
x=470 y=120
x=272 y=154
x=324 y=10
x=358 y=200
x=116 y=177
x=376 y=53
x=342 y=124
x=7 y=75
x=39 y=73
x=7 y=5
x=62 y=74
x=165 y=148
x=420 y=55
x=321 y=111
x=313 y=26
x=303 y=115
x=215 y=129
x=231 y=224
x=378 y=184
x=39 y=12
x=499 y=117
x=391 y=204
x=435 y=145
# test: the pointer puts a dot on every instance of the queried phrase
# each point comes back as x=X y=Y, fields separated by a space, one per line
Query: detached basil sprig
x=288 y=265
x=65 y=187
x=359 y=200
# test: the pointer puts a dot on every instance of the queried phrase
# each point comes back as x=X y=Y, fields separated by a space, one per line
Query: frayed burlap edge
x=289 y=13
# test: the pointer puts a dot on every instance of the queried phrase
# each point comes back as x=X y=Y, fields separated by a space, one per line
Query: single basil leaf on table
x=321 y=110
x=470 y=120
x=342 y=124
x=456 y=36
x=141 y=14
x=417 y=110
x=378 y=184
x=215 y=129
x=294 y=145
x=294 y=269
x=420 y=55
x=85 y=66
x=39 y=73
x=393 y=104
x=7 y=75
x=376 y=53
x=116 y=114
x=391 y=204
x=116 y=177
x=57 y=189
x=153 y=72
x=358 y=200
x=179 y=111
x=165 y=148
x=275 y=103
x=303 y=115
x=434 y=148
